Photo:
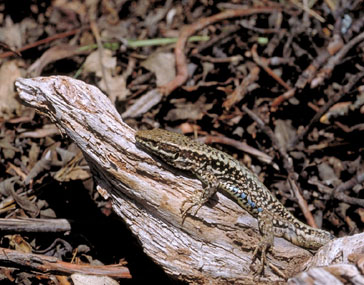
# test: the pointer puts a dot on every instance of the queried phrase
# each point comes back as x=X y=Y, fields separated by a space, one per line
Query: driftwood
x=216 y=245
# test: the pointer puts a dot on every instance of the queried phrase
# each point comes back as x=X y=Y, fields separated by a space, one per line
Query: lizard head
x=168 y=146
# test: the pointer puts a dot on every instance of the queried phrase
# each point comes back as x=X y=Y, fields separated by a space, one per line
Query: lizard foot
x=263 y=247
x=195 y=201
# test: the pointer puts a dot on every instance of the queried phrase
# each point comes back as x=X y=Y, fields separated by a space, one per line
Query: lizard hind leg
x=265 y=224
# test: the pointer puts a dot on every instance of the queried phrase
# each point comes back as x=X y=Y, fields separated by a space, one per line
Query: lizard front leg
x=211 y=184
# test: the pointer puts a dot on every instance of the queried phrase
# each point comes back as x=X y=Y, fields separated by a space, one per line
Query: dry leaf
x=73 y=170
x=10 y=34
x=116 y=87
x=189 y=111
x=17 y=242
x=7 y=148
x=24 y=202
x=9 y=71
x=163 y=65
x=92 y=62
x=113 y=85
x=327 y=174
x=284 y=131
x=43 y=164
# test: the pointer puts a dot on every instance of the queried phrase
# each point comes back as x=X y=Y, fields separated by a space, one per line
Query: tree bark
x=215 y=246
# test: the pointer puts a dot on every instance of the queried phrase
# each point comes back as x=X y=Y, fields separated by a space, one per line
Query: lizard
x=219 y=171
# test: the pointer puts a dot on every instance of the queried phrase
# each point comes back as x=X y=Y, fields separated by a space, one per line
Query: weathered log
x=215 y=246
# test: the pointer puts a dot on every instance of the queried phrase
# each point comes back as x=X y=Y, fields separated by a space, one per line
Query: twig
x=242 y=89
x=339 y=194
x=309 y=11
x=223 y=36
x=281 y=98
x=350 y=200
x=40 y=42
x=263 y=62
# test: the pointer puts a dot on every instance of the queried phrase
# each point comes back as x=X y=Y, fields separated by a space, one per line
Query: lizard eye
x=176 y=155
